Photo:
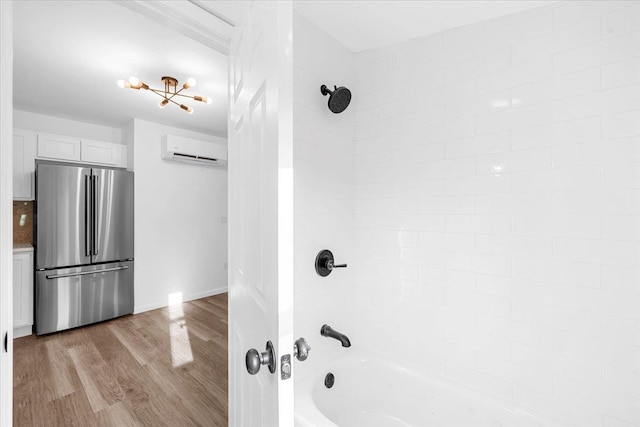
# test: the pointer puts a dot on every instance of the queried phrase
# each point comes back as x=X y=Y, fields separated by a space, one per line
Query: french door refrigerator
x=84 y=245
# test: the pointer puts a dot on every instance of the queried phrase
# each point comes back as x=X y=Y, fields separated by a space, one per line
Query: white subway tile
x=516 y=203
x=532 y=115
x=619 y=150
x=621 y=21
x=577 y=35
x=405 y=88
x=621 y=73
x=456 y=53
x=595 y=103
x=525 y=246
x=532 y=269
x=571 y=13
x=621 y=278
x=482 y=144
x=610 y=50
x=621 y=124
x=623 y=202
x=447 y=168
x=492 y=102
x=556 y=88
x=462 y=280
x=587 y=177
x=574 y=131
x=515 y=161
x=621 y=176
x=415 y=49
x=578 y=202
x=597 y=251
x=621 y=355
x=577 y=226
x=519 y=332
x=579 y=274
x=450 y=204
x=419 y=153
x=514 y=76
x=621 y=227
x=479 y=380
x=533 y=379
x=580 y=298
x=486 y=184
x=494 y=285
x=493 y=61
x=555 y=317
x=626 y=331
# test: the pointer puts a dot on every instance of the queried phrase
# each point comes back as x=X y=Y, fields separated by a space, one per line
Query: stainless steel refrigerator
x=84 y=245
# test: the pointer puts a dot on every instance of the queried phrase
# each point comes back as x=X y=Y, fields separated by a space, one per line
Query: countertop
x=22 y=247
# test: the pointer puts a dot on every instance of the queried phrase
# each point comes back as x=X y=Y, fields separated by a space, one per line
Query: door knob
x=254 y=359
x=301 y=349
x=325 y=263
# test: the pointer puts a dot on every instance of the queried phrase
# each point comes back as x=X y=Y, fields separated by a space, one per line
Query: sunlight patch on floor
x=178 y=331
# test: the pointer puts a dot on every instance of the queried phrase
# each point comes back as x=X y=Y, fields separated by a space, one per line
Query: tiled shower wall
x=497 y=206
x=324 y=198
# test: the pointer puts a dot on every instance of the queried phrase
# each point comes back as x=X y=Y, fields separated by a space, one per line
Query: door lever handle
x=254 y=359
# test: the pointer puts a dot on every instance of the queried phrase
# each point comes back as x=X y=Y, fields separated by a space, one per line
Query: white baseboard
x=22 y=331
x=157 y=305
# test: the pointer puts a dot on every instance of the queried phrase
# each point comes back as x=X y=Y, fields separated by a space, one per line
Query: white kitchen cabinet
x=58 y=147
x=104 y=153
x=24 y=156
x=81 y=150
x=22 y=294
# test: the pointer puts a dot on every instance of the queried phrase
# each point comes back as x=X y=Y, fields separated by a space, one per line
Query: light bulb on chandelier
x=168 y=93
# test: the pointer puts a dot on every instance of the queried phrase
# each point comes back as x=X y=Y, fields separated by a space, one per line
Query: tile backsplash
x=23 y=222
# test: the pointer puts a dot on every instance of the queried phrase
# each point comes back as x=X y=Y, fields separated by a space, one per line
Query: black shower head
x=339 y=98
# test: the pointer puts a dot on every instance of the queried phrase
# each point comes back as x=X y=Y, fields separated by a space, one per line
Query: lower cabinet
x=22 y=294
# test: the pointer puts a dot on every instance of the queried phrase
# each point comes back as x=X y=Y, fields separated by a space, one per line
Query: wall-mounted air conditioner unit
x=189 y=150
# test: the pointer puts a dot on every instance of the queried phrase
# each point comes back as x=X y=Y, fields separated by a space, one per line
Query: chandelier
x=169 y=92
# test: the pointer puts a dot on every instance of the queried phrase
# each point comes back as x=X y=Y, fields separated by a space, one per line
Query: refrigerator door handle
x=87 y=216
x=84 y=273
x=94 y=222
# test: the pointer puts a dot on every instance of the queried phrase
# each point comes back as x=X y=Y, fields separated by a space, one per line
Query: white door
x=261 y=213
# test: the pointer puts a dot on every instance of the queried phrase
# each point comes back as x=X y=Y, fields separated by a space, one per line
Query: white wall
x=180 y=236
x=59 y=126
x=323 y=185
x=497 y=208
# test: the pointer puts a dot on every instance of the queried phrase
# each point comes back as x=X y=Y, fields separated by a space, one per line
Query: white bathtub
x=375 y=392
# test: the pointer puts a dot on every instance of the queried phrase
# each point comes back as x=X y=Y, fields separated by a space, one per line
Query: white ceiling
x=68 y=56
x=364 y=24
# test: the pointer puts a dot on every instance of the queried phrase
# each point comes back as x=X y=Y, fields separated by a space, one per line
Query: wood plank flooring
x=166 y=367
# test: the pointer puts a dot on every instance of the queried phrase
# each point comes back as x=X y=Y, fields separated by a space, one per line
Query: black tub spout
x=328 y=331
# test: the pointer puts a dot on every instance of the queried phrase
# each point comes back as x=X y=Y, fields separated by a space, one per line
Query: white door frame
x=195 y=19
x=6 y=212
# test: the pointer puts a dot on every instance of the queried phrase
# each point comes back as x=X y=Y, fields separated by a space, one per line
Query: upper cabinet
x=24 y=154
x=104 y=153
x=29 y=146
x=58 y=147
x=81 y=150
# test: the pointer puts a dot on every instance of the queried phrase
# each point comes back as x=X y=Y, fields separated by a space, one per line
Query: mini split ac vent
x=189 y=150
